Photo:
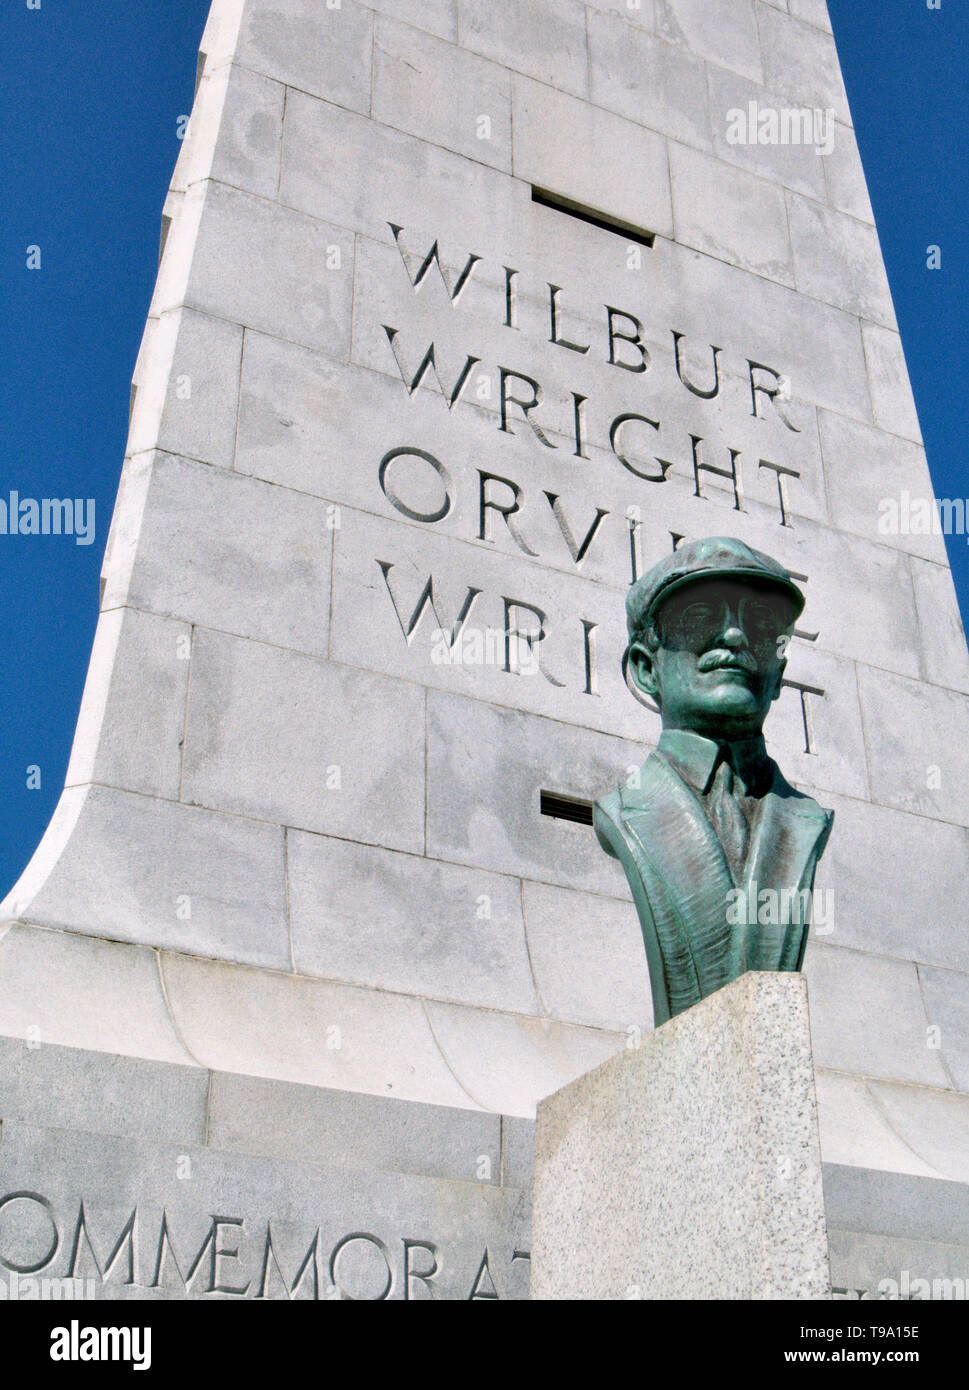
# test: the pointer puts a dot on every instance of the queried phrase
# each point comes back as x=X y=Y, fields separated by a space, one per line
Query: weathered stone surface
x=896 y=904
x=803 y=62
x=304 y=290
x=855 y=1129
x=648 y=80
x=205 y=883
x=902 y=483
x=886 y=1227
x=845 y=178
x=797 y=166
x=934 y=1125
x=275 y=735
x=545 y=40
x=67 y=1088
x=705 y=1137
x=187 y=387
x=285 y=1229
x=252 y=1115
x=848 y=270
x=893 y=1126
x=565 y=145
x=891 y=394
x=237 y=555
x=944 y=658
x=137 y=679
x=67 y=989
x=567 y=947
x=438 y=17
x=383 y=919
x=320 y=50
x=712 y=205
x=311 y=1032
x=918 y=759
x=472 y=116
x=325 y=147
x=813 y=11
x=946 y=994
x=473 y=819
x=235 y=134
x=868 y=1016
x=527 y=1058
x=724 y=34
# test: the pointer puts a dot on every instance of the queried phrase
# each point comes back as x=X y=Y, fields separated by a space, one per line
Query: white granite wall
x=284 y=812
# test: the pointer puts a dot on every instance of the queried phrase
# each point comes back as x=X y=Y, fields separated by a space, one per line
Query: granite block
x=706 y=1137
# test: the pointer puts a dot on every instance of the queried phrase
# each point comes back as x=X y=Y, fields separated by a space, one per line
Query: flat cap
x=716 y=557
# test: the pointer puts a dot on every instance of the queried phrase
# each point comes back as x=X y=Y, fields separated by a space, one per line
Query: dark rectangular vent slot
x=595 y=219
x=566 y=808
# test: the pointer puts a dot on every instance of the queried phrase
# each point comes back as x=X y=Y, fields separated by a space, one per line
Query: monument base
x=124 y=1178
x=690 y=1166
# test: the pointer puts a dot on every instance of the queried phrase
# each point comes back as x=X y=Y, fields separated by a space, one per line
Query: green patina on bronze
x=708 y=822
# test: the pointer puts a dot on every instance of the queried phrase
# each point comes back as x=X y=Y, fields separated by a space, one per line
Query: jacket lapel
x=786 y=843
x=690 y=879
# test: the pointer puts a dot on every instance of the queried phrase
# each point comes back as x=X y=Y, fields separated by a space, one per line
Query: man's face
x=721 y=657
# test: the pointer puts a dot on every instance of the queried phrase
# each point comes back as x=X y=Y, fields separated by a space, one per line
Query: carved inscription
x=240 y=1257
x=550 y=523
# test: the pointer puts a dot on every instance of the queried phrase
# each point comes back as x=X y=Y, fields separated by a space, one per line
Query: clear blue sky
x=92 y=93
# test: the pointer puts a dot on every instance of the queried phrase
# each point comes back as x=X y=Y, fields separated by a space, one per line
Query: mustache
x=721 y=658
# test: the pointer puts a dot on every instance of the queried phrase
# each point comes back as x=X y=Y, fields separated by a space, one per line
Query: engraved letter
x=616 y=426
x=127 y=1238
x=395 y=501
x=507 y=511
x=378 y=1244
x=427 y=600
x=782 y=473
x=417 y=271
x=779 y=393
x=525 y=406
x=530 y=639
x=423 y=1276
x=429 y=362
x=576 y=550
x=636 y=338
x=732 y=473
x=48 y=1211
x=554 y=291
x=704 y=395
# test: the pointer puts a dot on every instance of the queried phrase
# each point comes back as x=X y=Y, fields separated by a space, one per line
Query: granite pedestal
x=690 y=1166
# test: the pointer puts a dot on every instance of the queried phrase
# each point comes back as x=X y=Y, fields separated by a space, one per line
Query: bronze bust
x=708 y=823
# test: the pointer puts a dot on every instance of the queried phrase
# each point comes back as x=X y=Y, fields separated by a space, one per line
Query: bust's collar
x=696 y=759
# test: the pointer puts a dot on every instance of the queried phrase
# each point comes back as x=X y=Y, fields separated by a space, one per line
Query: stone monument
x=468 y=312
